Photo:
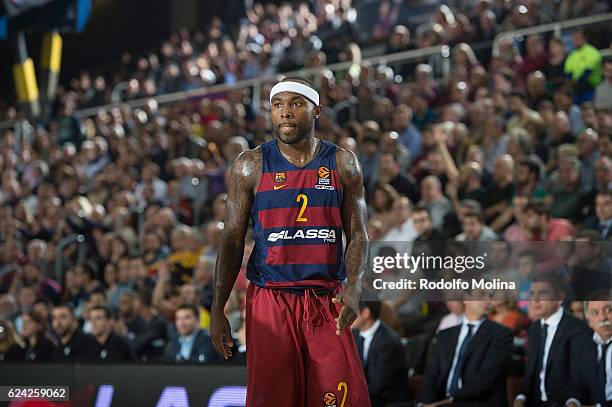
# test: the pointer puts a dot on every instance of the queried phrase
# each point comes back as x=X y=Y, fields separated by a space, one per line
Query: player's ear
x=316 y=112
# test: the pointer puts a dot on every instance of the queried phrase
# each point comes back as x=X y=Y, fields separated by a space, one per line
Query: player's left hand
x=349 y=299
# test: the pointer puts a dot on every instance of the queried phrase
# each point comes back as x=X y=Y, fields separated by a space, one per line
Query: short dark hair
x=475 y=214
x=421 y=208
x=190 y=307
x=107 y=312
x=538 y=206
x=299 y=79
x=67 y=306
x=89 y=269
x=519 y=94
x=556 y=282
x=373 y=305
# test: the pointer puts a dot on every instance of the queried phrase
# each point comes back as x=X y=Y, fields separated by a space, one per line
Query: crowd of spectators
x=271 y=38
x=110 y=225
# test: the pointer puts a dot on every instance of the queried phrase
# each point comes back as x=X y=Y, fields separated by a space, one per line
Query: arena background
x=140 y=82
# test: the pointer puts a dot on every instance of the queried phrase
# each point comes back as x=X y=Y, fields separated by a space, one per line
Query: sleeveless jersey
x=296 y=220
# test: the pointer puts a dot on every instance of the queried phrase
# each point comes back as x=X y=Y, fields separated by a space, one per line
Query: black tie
x=601 y=370
x=603 y=229
x=540 y=360
x=454 y=387
x=360 y=344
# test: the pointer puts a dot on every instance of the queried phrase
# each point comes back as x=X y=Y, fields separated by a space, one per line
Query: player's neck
x=300 y=153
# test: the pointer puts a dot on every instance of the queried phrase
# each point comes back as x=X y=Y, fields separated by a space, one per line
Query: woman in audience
x=38 y=346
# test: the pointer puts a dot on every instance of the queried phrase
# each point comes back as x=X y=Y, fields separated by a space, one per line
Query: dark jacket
x=80 y=348
x=385 y=367
x=484 y=370
x=583 y=370
x=557 y=363
x=115 y=349
x=14 y=354
x=593 y=223
x=41 y=352
x=148 y=338
x=202 y=350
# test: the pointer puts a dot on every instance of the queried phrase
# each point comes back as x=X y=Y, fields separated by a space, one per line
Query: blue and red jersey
x=296 y=220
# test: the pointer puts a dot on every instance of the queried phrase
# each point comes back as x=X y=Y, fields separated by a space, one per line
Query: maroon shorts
x=294 y=357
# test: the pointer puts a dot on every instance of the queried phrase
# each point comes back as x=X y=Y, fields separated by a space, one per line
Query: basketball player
x=301 y=193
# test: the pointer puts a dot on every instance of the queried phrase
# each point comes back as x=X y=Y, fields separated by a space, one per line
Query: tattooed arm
x=244 y=176
x=354 y=222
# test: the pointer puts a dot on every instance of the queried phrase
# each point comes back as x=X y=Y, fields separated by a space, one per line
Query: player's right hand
x=221 y=333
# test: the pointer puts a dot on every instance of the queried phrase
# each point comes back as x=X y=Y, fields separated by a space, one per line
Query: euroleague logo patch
x=324 y=179
x=329 y=399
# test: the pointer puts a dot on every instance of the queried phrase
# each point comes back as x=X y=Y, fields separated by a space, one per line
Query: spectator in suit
x=467 y=363
x=74 y=345
x=192 y=344
x=381 y=354
x=549 y=337
x=111 y=347
x=602 y=221
x=591 y=357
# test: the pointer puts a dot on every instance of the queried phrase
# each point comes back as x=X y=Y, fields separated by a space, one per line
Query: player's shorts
x=294 y=357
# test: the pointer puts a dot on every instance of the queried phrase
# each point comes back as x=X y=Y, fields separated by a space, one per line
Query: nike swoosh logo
x=279 y=186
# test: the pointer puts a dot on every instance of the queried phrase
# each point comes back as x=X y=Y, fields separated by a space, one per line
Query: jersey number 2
x=343 y=386
x=304 y=199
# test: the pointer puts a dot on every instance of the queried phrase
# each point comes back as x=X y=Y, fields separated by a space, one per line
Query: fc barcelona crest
x=280 y=177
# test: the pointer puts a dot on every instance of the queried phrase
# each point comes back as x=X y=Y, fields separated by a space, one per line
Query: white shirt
x=597 y=339
x=401 y=238
x=462 y=334
x=404 y=233
x=367 y=336
x=552 y=322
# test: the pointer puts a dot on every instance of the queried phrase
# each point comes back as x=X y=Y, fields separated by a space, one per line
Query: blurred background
x=473 y=120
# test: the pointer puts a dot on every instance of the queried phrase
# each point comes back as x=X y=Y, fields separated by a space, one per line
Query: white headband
x=295 y=87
